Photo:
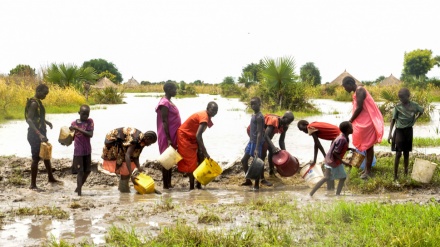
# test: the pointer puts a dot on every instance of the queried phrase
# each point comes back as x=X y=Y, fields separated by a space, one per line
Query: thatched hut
x=131 y=83
x=338 y=80
x=103 y=83
x=390 y=81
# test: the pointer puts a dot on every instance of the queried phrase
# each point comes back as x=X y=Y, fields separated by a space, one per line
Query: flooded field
x=102 y=205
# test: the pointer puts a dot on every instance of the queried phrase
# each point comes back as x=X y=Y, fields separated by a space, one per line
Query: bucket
x=45 y=151
x=207 y=171
x=169 y=158
x=311 y=174
x=66 y=136
x=356 y=159
x=143 y=183
x=256 y=168
x=286 y=164
x=423 y=170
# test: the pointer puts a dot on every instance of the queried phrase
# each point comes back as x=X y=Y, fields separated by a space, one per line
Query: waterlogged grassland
x=276 y=221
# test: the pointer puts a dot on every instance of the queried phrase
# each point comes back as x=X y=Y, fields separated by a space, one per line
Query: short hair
x=211 y=104
x=405 y=91
x=344 y=126
x=302 y=122
x=150 y=135
x=87 y=107
x=348 y=80
x=168 y=85
x=41 y=87
x=257 y=99
x=289 y=115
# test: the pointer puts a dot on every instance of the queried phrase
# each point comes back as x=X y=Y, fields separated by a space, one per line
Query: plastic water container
x=207 y=171
x=254 y=171
x=423 y=170
x=45 y=151
x=311 y=174
x=286 y=164
x=66 y=136
x=169 y=158
x=143 y=183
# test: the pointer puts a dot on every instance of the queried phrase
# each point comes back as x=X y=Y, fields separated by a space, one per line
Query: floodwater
x=225 y=141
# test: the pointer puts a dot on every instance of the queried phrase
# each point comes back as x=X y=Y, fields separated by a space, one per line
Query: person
x=125 y=144
x=35 y=115
x=190 y=141
x=333 y=159
x=168 y=121
x=275 y=124
x=320 y=130
x=368 y=126
x=82 y=153
x=256 y=140
x=405 y=114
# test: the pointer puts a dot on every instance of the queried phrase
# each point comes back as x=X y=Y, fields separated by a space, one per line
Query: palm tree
x=66 y=75
x=278 y=74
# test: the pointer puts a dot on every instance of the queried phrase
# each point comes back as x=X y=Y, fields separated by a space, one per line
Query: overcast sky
x=209 y=40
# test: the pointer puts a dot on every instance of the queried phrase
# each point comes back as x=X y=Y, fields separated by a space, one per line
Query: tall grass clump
x=108 y=95
x=13 y=98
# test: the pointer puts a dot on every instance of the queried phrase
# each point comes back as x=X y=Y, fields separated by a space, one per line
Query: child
x=82 y=158
x=333 y=159
x=256 y=140
x=405 y=115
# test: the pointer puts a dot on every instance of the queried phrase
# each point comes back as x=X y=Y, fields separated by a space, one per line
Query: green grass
x=45 y=210
x=419 y=142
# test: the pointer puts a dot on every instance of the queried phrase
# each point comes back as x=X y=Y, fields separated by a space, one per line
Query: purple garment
x=82 y=142
x=174 y=123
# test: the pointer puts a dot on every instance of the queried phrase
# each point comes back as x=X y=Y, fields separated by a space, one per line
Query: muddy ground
x=102 y=205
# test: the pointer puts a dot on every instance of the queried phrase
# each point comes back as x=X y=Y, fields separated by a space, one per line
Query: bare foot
x=265 y=182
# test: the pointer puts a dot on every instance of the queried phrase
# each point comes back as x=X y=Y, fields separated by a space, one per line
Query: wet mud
x=102 y=205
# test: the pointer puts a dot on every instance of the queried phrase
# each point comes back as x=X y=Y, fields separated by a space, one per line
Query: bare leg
x=244 y=164
x=49 y=171
x=340 y=185
x=396 y=165
x=369 y=163
x=165 y=178
x=34 y=171
x=327 y=175
x=406 y=162
x=191 y=181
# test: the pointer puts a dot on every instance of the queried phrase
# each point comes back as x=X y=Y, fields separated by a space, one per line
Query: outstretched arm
x=390 y=135
x=282 y=138
x=318 y=145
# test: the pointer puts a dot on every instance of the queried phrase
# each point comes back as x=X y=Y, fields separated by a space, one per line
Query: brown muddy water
x=101 y=205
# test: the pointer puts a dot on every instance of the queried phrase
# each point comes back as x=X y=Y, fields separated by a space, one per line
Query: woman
x=125 y=145
x=367 y=121
x=168 y=121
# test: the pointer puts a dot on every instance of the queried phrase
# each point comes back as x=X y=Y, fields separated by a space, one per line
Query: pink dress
x=174 y=123
x=368 y=127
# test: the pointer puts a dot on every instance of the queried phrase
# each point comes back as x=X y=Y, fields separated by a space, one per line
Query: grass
x=419 y=142
x=45 y=210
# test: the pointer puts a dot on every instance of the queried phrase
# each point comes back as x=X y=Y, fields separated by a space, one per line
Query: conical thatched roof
x=390 y=80
x=132 y=82
x=338 y=80
x=103 y=83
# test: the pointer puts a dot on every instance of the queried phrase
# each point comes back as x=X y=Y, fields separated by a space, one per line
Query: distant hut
x=390 y=81
x=338 y=80
x=103 y=83
x=132 y=83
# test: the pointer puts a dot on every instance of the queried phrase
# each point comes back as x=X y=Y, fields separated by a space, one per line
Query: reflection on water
x=225 y=141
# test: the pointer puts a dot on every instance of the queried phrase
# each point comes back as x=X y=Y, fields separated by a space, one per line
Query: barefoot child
x=333 y=159
x=256 y=140
x=405 y=115
x=82 y=154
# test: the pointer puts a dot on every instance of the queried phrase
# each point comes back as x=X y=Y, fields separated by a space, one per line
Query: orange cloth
x=110 y=165
x=273 y=120
x=324 y=131
x=187 y=141
x=368 y=126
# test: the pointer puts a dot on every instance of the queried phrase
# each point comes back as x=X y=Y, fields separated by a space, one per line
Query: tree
x=66 y=75
x=418 y=62
x=22 y=70
x=228 y=80
x=279 y=74
x=309 y=73
x=100 y=65
x=107 y=74
x=198 y=82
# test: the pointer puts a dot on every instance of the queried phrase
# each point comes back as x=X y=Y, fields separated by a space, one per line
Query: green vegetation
x=108 y=95
x=419 y=142
x=45 y=210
